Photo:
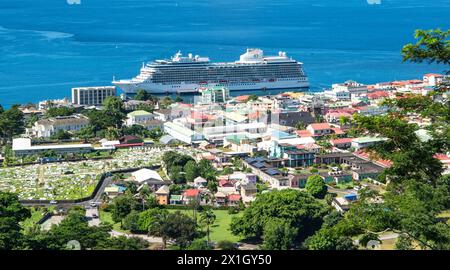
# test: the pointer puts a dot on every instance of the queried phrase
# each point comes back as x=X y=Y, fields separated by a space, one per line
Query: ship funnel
x=190 y=56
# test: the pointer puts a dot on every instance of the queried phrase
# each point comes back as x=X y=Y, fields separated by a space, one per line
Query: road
x=92 y=216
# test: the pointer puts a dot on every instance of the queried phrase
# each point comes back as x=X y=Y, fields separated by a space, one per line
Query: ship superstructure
x=253 y=71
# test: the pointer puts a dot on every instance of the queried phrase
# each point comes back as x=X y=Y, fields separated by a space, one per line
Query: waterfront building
x=46 y=104
x=92 y=96
x=350 y=86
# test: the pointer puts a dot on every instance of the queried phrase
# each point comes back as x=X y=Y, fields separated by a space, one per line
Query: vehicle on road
x=53 y=202
x=94 y=215
x=93 y=204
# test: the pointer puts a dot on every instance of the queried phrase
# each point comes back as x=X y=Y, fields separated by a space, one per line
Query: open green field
x=220 y=230
x=36 y=215
x=105 y=217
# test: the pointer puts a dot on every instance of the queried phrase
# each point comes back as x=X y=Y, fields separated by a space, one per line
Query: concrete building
x=182 y=133
x=92 y=95
x=45 y=128
x=364 y=142
x=23 y=146
x=138 y=117
x=215 y=95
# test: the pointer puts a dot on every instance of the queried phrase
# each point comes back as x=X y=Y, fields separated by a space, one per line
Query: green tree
x=59 y=111
x=315 y=185
x=150 y=218
x=130 y=222
x=113 y=112
x=122 y=206
x=178 y=99
x=61 y=135
x=206 y=169
x=199 y=244
x=297 y=208
x=329 y=239
x=176 y=226
x=156 y=133
x=127 y=243
x=207 y=218
x=86 y=133
x=226 y=245
x=141 y=94
x=191 y=170
x=11 y=123
x=11 y=214
x=432 y=46
x=279 y=235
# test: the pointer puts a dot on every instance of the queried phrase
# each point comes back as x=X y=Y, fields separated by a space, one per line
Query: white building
x=182 y=133
x=363 y=142
x=433 y=79
x=94 y=95
x=138 y=117
x=45 y=128
x=350 y=86
x=220 y=132
x=46 y=104
x=22 y=146
x=337 y=94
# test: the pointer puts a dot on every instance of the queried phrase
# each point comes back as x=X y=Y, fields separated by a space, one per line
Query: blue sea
x=49 y=46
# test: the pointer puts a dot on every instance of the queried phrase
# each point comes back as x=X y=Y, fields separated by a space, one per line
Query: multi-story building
x=138 y=117
x=92 y=95
x=215 y=95
x=45 y=128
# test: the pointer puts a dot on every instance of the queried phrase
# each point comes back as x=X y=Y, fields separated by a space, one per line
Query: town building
x=215 y=95
x=23 y=147
x=138 y=117
x=44 y=128
x=92 y=96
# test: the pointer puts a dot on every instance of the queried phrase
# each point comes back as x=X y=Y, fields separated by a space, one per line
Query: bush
x=226 y=245
x=130 y=222
x=199 y=244
x=233 y=210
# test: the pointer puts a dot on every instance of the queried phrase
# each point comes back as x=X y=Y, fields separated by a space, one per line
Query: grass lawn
x=36 y=215
x=348 y=185
x=105 y=217
x=220 y=230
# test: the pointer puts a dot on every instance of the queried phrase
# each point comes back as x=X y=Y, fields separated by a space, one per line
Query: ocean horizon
x=48 y=47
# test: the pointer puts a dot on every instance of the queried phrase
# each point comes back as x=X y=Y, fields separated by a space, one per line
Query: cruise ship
x=187 y=74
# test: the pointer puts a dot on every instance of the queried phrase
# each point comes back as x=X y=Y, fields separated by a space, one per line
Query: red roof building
x=191 y=193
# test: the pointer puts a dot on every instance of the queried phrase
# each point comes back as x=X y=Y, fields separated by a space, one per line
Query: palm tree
x=208 y=218
x=157 y=228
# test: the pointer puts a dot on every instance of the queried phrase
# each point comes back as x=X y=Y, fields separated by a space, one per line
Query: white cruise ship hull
x=158 y=88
